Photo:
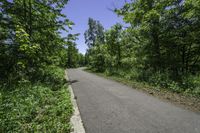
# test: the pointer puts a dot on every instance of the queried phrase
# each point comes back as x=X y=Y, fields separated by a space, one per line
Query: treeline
x=160 y=44
x=30 y=38
x=74 y=58
x=33 y=55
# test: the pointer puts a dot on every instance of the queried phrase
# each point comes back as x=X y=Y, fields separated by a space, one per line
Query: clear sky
x=79 y=11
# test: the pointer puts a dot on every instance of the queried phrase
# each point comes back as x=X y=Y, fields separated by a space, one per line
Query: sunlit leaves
x=94 y=33
x=32 y=37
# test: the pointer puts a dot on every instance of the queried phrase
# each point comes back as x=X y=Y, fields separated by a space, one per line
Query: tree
x=94 y=33
x=72 y=51
x=30 y=37
x=164 y=32
x=113 y=40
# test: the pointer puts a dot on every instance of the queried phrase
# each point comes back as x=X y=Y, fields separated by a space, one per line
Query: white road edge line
x=75 y=120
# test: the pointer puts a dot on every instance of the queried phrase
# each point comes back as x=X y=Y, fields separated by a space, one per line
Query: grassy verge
x=36 y=107
x=184 y=100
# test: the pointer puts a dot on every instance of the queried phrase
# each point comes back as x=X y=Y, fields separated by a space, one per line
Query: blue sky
x=79 y=11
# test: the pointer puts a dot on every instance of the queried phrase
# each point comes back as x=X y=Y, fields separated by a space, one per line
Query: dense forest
x=158 y=45
x=33 y=56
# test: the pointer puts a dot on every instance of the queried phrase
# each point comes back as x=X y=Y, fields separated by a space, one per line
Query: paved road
x=110 y=107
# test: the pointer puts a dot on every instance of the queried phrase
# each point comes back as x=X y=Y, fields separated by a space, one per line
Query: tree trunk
x=25 y=15
x=183 y=60
x=156 y=44
x=30 y=18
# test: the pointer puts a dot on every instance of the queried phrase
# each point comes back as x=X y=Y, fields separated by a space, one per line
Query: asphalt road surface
x=110 y=107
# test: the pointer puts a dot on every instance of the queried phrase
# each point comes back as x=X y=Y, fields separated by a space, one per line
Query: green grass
x=35 y=107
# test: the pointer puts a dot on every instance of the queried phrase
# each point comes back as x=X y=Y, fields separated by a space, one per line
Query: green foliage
x=74 y=58
x=97 y=60
x=94 y=33
x=53 y=76
x=81 y=60
x=191 y=84
x=35 y=108
x=30 y=38
x=40 y=106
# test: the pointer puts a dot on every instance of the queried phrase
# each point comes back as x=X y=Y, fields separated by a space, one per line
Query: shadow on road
x=72 y=81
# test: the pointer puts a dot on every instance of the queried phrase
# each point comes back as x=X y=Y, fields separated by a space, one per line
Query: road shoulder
x=75 y=120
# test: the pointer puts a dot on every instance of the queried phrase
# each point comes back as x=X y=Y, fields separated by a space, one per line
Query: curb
x=75 y=120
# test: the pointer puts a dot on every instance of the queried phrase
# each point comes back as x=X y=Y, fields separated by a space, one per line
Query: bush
x=54 y=77
x=191 y=84
x=175 y=87
x=129 y=75
x=159 y=79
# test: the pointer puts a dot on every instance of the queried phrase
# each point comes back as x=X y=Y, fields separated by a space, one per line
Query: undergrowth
x=42 y=106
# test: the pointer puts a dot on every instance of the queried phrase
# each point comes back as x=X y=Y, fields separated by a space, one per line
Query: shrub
x=191 y=84
x=54 y=77
x=35 y=108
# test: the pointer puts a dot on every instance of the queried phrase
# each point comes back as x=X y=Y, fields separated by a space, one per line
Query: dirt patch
x=184 y=101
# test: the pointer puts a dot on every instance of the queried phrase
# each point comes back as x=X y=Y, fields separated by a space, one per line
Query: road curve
x=110 y=107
